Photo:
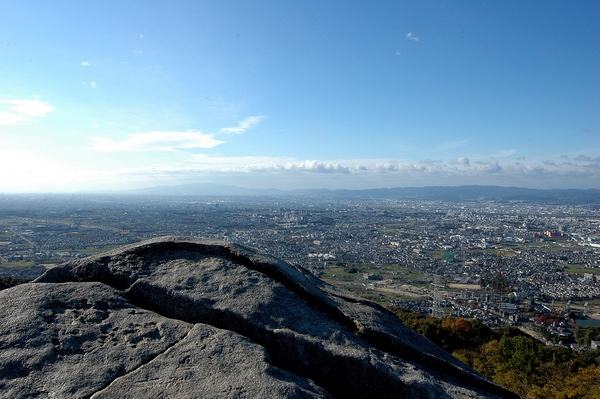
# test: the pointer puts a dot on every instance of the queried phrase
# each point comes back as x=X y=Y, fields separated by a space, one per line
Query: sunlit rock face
x=185 y=317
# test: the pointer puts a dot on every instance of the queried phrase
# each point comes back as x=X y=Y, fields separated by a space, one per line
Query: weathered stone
x=301 y=336
x=73 y=339
x=212 y=363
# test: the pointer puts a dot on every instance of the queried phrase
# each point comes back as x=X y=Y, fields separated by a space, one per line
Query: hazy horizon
x=309 y=95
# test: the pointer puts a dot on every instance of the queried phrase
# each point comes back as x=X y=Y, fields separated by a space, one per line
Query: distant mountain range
x=447 y=193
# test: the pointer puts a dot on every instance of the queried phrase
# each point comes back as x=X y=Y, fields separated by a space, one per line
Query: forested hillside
x=513 y=359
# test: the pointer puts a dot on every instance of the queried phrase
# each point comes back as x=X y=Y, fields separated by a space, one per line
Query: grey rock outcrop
x=184 y=317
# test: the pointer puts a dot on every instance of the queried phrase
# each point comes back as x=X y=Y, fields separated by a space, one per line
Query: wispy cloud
x=505 y=153
x=243 y=125
x=156 y=141
x=93 y=84
x=23 y=110
x=85 y=63
x=412 y=37
x=453 y=144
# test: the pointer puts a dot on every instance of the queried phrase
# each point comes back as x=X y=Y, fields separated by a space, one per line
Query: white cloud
x=402 y=167
x=23 y=110
x=385 y=167
x=85 y=63
x=243 y=125
x=316 y=166
x=29 y=107
x=535 y=169
x=583 y=158
x=463 y=161
x=490 y=166
x=410 y=36
x=398 y=53
x=93 y=85
x=7 y=118
x=141 y=36
x=156 y=141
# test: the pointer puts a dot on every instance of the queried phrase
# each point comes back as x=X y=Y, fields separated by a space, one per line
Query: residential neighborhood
x=500 y=262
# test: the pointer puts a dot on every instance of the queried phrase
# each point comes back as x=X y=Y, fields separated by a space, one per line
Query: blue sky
x=298 y=94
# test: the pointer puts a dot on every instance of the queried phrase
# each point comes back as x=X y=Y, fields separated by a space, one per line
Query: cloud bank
x=285 y=173
x=302 y=166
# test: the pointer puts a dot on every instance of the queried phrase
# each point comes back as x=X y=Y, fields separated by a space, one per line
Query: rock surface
x=185 y=317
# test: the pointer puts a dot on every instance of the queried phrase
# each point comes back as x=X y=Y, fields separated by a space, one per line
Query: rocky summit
x=180 y=317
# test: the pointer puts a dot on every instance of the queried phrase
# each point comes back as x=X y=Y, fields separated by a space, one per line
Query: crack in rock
x=70 y=339
x=195 y=364
x=143 y=363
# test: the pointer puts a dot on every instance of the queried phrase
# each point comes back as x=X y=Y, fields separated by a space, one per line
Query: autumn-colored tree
x=583 y=384
x=513 y=360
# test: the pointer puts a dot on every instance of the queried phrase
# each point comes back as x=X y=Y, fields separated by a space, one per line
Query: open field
x=464 y=286
x=94 y=251
x=23 y=263
x=554 y=246
x=403 y=289
x=580 y=269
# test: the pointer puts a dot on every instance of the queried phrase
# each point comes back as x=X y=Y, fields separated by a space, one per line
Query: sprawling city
x=534 y=266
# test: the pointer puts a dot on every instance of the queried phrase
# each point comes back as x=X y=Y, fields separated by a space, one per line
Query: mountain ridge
x=450 y=193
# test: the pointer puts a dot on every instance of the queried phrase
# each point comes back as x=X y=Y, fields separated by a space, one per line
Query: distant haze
x=115 y=95
x=460 y=193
